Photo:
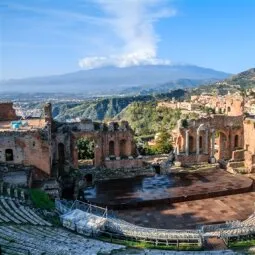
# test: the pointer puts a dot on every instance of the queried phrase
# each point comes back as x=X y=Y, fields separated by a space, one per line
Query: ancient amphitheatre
x=198 y=197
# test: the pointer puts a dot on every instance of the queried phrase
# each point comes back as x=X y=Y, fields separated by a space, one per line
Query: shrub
x=41 y=199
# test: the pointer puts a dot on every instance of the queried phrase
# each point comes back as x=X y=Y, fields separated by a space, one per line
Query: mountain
x=240 y=81
x=114 y=80
x=244 y=79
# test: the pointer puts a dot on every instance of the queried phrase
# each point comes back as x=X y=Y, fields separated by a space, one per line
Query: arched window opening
x=200 y=143
x=236 y=141
x=86 y=152
x=111 y=148
x=89 y=179
x=61 y=153
x=191 y=144
x=9 y=155
x=123 y=148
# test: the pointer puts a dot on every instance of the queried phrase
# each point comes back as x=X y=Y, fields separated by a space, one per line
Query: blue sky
x=43 y=37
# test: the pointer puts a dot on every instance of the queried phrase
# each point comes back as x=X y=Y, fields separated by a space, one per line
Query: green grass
x=146 y=245
x=56 y=221
x=241 y=244
x=41 y=199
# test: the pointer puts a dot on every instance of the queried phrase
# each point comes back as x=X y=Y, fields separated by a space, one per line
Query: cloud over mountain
x=132 y=22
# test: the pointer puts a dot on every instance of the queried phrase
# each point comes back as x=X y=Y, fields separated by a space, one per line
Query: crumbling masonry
x=50 y=146
x=224 y=137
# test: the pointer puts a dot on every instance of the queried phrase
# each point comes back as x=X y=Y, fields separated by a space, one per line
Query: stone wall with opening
x=208 y=139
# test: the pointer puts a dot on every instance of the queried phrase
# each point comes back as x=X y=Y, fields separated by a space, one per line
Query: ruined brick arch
x=61 y=158
x=178 y=143
x=74 y=149
x=236 y=143
x=201 y=143
x=88 y=178
x=223 y=145
x=61 y=153
x=111 y=148
x=192 y=145
x=123 y=148
x=9 y=155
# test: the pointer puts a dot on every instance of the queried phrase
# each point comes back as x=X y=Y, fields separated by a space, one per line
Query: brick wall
x=28 y=148
x=124 y=163
x=192 y=159
x=7 y=112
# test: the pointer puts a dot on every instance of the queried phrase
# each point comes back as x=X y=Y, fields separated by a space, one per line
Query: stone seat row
x=50 y=240
x=13 y=211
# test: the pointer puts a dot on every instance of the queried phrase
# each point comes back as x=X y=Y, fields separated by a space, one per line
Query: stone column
x=197 y=142
x=213 y=143
x=177 y=146
x=187 y=142
x=177 y=150
x=206 y=141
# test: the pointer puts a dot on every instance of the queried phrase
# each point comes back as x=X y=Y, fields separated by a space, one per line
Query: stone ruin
x=51 y=146
x=223 y=138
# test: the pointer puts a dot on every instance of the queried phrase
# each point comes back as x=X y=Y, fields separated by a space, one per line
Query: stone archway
x=200 y=144
x=236 y=142
x=9 y=155
x=222 y=146
x=86 y=151
x=61 y=158
x=111 y=148
x=61 y=153
x=89 y=179
x=191 y=144
x=123 y=148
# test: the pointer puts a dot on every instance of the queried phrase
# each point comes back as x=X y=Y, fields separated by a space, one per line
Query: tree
x=163 y=143
x=85 y=148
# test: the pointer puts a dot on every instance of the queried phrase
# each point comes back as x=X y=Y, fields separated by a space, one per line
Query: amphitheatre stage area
x=166 y=189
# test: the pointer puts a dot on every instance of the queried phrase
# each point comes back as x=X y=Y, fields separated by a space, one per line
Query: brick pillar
x=197 y=142
x=206 y=141
x=187 y=142
x=213 y=143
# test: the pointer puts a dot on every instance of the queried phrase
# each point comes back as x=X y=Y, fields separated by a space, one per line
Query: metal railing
x=126 y=230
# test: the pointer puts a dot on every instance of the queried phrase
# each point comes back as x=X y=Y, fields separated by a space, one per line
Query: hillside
x=235 y=83
x=105 y=108
x=146 y=118
x=114 y=80
x=245 y=79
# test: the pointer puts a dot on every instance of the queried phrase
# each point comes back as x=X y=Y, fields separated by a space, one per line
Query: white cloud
x=132 y=21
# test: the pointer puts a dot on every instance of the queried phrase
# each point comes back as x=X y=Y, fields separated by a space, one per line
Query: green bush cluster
x=146 y=118
x=85 y=148
x=41 y=199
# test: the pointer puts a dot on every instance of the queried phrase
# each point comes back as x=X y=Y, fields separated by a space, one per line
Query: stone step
x=236 y=164
x=51 y=241
x=241 y=170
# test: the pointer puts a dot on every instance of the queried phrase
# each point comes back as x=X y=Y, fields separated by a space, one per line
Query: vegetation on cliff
x=238 y=82
x=146 y=118
x=106 y=108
